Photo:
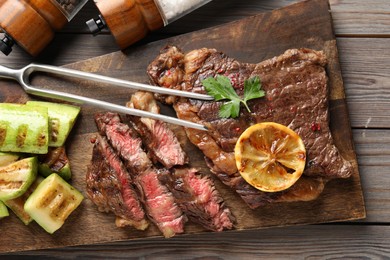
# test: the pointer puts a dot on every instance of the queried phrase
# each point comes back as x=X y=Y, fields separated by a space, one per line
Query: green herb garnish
x=221 y=89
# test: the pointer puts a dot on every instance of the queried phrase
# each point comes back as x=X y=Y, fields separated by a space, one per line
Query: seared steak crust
x=198 y=198
x=158 y=200
x=109 y=187
x=296 y=96
x=161 y=141
x=195 y=193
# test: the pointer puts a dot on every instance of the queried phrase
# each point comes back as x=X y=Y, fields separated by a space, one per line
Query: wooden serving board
x=305 y=24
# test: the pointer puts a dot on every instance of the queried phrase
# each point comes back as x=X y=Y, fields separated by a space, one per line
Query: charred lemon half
x=269 y=156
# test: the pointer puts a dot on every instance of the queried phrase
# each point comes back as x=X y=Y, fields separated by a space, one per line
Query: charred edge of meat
x=198 y=198
x=103 y=119
x=167 y=70
x=305 y=189
x=160 y=140
x=159 y=202
x=109 y=187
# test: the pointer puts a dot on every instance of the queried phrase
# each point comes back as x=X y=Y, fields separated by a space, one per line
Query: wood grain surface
x=306 y=24
x=363 y=37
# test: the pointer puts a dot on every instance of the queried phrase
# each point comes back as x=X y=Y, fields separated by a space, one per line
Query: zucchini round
x=16 y=178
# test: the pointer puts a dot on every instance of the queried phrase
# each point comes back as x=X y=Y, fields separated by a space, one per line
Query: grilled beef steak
x=161 y=142
x=296 y=90
x=157 y=199
x=198 y=198
x=109 y=187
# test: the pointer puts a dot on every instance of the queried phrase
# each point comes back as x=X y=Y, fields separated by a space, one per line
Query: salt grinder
x=131 y=20
x=31 y=24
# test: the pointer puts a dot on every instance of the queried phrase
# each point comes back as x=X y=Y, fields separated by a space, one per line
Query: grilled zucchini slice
x=23 y=129
x=17 y=204
x=61 y=120
x=7 y=158
x=52 y=202
x=3 y=210
x=15 y=178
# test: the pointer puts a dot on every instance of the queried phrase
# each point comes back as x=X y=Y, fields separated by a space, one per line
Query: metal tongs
x=23 y=77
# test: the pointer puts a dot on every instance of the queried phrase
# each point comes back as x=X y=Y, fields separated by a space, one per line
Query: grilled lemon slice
x=15 y=178
x=270 y=156
x=52 y=202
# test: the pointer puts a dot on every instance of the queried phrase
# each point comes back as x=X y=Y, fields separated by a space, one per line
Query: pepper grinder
x=131 y=20
x=31 y=24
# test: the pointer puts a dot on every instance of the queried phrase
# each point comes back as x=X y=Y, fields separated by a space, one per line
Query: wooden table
x=363 y=37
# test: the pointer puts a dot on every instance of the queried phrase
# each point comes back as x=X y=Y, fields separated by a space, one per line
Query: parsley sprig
x=221 y=88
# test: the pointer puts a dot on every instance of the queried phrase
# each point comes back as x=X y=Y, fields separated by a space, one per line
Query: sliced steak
x=196 y=194
x=109 y=187
x=160 y=203
x=161 y=141
x=124 y=140
x=157 y=199
x=198 y=198
x=296 y=96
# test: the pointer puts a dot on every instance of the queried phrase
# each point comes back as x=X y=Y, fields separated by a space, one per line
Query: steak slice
x=158 y=201
x=198 y=198
x=196 y=194
x=296 y=90
x=124 y=140
x=109 y=187
x=161 y=141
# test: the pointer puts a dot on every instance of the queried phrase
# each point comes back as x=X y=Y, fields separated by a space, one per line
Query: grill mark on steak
x=296 y=96
x=161 y=141
x=158 y=201
x=198 y=198
x=109 y=187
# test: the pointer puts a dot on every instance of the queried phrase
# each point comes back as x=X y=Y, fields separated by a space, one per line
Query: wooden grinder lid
x=25 y=25
x=130 y=20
